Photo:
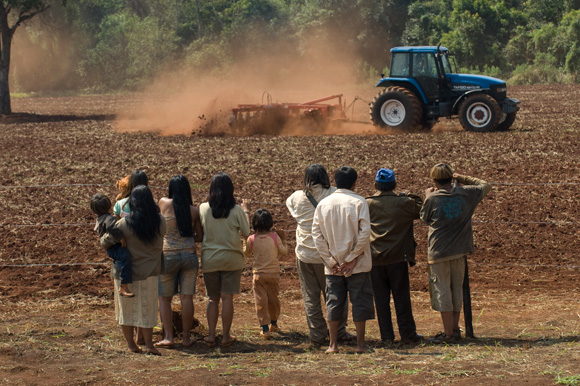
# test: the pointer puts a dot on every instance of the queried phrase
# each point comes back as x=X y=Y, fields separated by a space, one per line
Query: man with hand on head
x=447 y=210
x=341 y=230
x=393 y=250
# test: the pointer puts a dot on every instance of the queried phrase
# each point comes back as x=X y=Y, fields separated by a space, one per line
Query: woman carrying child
x=265 y=246
x=143 y=232
x=222 y=258
x=180 y=263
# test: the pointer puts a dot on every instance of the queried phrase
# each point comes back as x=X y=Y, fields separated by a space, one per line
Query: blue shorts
x=179 y=273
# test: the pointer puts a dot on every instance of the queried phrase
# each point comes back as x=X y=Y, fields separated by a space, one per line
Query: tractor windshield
x=400 y=64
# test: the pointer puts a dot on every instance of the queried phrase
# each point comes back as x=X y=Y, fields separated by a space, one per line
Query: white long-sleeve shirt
x=341 y=231
x=303 y=211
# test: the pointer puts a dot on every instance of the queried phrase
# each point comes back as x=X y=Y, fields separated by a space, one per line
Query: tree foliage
x=122 y=44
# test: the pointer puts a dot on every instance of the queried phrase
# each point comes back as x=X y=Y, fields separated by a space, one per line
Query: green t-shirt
x=221 y=249
x=448 y=215
x=121 y=208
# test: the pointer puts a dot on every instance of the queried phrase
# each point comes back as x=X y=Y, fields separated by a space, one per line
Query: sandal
x=229 y=343
x=442 y=338
x=209 y=343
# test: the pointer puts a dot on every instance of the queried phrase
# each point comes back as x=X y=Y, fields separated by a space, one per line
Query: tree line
x=103 y=45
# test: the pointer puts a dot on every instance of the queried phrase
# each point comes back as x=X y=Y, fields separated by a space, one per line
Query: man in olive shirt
x=393 y=250
x=447 y=210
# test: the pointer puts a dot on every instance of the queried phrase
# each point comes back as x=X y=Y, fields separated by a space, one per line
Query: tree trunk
x=6 y=41
x=199 y=30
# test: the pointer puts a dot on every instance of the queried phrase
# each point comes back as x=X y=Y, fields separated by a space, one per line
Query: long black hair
x=144 y=220
x=315 y=174
x=221 y=195
x=180 y=193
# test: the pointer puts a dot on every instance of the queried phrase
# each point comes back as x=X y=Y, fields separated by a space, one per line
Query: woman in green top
x=222 y=258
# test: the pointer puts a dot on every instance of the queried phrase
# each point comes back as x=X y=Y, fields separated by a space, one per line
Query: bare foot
x=362 y=350
x=134 y=348
x=165 y=343
x=187 y=341
x=152 y=351
x=332 y=350
x=124 y=291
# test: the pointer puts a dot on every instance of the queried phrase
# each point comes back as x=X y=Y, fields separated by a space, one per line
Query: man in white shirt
x=341 y=230
x=301 y=205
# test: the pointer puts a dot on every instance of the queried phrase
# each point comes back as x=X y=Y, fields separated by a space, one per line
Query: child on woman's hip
x=105 y=227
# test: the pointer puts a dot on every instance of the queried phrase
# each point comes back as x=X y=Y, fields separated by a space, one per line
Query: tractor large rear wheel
x=396 y=107
x=507 y=122
x=479 y=112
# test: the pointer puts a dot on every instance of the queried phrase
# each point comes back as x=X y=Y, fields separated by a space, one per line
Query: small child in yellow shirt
x=266 y=245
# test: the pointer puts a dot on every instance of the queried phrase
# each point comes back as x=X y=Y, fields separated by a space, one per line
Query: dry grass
x=75 y=340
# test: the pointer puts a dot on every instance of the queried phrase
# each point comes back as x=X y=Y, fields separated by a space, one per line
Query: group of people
x=346 y=247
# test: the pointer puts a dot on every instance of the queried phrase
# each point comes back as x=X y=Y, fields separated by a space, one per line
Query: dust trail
x=181 y=102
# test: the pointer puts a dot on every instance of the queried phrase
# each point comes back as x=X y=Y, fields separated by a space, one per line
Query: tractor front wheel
x=396 y=107
x=479 y=112
x=507 y=122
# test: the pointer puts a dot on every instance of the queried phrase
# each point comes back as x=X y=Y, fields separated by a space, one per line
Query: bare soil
x=56 y=311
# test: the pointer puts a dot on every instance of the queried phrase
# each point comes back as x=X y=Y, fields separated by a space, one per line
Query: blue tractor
x=422 y=87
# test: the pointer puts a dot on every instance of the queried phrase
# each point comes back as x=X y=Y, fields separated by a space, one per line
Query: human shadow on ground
x=298 y=343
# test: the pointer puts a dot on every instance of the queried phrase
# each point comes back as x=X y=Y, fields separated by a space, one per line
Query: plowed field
x=56 y=310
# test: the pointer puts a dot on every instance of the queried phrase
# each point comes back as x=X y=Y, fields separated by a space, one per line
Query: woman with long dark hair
x=222 y=258
x=179 y=257
x=143 y=232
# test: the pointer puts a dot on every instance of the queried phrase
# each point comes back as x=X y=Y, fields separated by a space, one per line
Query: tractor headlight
x=501 y=89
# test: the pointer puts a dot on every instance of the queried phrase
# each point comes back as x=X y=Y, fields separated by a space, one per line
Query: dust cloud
x=41 y=62
x=181 y=102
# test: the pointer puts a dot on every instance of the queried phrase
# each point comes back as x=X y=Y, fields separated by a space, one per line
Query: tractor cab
x=425 y=67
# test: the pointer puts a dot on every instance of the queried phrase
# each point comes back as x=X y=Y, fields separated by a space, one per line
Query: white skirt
x=141 y=310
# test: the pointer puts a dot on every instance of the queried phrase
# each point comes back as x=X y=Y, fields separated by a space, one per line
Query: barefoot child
x=101 y=206
x=266 y=245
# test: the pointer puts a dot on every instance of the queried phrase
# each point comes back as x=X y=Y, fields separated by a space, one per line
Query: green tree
x=428 y=21
x=128 y=50
x=479 y=30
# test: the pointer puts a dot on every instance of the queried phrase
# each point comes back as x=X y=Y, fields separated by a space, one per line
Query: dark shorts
x=179 y=273
x=222 y=282
x=358 y=287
